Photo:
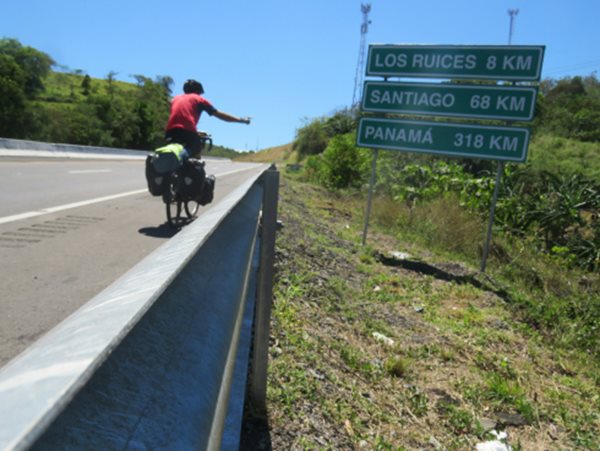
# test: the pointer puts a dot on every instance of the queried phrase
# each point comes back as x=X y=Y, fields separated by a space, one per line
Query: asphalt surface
x=69 y=228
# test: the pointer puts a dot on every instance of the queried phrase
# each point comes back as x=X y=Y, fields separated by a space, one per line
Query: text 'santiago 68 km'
x=465 y=101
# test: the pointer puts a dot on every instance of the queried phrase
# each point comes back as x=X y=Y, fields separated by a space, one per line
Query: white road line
x=45 y=211
x=90 y=171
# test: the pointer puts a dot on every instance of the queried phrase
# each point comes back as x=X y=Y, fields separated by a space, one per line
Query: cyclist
x=185 y=113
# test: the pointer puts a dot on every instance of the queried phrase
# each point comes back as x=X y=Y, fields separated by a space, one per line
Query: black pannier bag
x=193 y=175
x=156 y=182
x=196 y=184
x=208 y=191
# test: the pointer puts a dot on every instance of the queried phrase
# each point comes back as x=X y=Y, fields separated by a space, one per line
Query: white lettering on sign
x=403 y=135
x=426 y=61
x=411 y=98
x=510 y=103
x=480 y=102
x=478 y=141
x=443 y=61
x=517 y=62
x=391 y=60
x=504 y=143
x=468 y=140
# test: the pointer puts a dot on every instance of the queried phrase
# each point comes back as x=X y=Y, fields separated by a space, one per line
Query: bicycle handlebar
x=205 y=137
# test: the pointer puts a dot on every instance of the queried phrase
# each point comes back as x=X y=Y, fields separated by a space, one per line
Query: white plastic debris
x=495 y=445
x=383 y=339
x=400 y=255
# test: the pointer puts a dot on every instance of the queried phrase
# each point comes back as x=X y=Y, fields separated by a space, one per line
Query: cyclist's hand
x=245 y=120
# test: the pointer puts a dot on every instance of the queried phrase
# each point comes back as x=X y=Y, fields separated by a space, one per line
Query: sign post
x=488 y=239
x=370 y=198
x=461 y=101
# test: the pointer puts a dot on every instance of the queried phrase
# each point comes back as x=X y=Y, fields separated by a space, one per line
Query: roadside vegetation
x=403 y=343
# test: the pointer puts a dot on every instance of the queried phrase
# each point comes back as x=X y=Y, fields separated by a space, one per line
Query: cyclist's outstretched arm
x=230 y=118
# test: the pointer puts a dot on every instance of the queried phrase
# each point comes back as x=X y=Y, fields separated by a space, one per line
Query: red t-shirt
x=186 y=110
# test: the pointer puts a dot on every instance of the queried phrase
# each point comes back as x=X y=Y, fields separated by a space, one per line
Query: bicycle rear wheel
x=191 y=208
x=172 y=204
x=174 y=214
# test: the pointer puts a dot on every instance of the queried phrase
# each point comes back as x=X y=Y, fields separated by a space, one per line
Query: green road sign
x=460 y=140
x=467 y=101
x=490 y=62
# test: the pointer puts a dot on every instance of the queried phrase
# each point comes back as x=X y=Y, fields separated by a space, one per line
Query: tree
x=151 y=109
x=110 y=78
x=13 y=107
x=86 y=85
x=166 y=82
x=311 y=139
x=340 y=123
x=570 y=108
x=35 y=64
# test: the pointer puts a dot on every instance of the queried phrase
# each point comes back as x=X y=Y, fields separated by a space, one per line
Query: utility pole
x=512 y=13
x=365 y=8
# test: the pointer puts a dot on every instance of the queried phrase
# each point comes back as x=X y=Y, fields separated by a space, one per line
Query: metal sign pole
x=370 y=198
x=486 y=246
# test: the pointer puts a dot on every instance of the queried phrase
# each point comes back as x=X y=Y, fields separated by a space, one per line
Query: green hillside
x=42 y=104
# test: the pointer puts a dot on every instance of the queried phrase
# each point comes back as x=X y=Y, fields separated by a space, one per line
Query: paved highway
x=69 y=228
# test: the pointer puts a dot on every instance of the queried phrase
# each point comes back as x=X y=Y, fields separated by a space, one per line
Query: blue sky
x=284 y=61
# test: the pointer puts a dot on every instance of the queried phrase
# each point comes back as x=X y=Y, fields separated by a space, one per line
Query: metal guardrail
x=159 y=359
x=23 y=148
x=18 y=148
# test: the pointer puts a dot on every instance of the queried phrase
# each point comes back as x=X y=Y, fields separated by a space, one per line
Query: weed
x=508 y=393
x=388 y=213
x=381 y=444
x=418 y=401
x=398 y=367
x=374 y=325
x=357 y=361
x=459 y=420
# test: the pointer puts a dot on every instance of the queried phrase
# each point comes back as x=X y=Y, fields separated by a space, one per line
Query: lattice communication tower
x=365 y=8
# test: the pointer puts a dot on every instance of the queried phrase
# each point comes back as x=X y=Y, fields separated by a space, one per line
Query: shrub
x=344 y=165
x=310 y=139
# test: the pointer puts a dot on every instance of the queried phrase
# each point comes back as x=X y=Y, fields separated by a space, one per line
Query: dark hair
x=193 y=86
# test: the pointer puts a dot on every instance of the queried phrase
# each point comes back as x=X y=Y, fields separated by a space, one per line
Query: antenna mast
x=360 y=67
x=512 y=13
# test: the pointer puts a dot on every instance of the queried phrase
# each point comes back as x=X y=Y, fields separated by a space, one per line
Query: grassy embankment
x=373 y=351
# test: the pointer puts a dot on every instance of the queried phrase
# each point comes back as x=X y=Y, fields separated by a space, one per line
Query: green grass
x=464 y=355
x=61 y=87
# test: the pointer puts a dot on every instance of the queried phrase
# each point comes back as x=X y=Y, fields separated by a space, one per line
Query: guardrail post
x=262 y=317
